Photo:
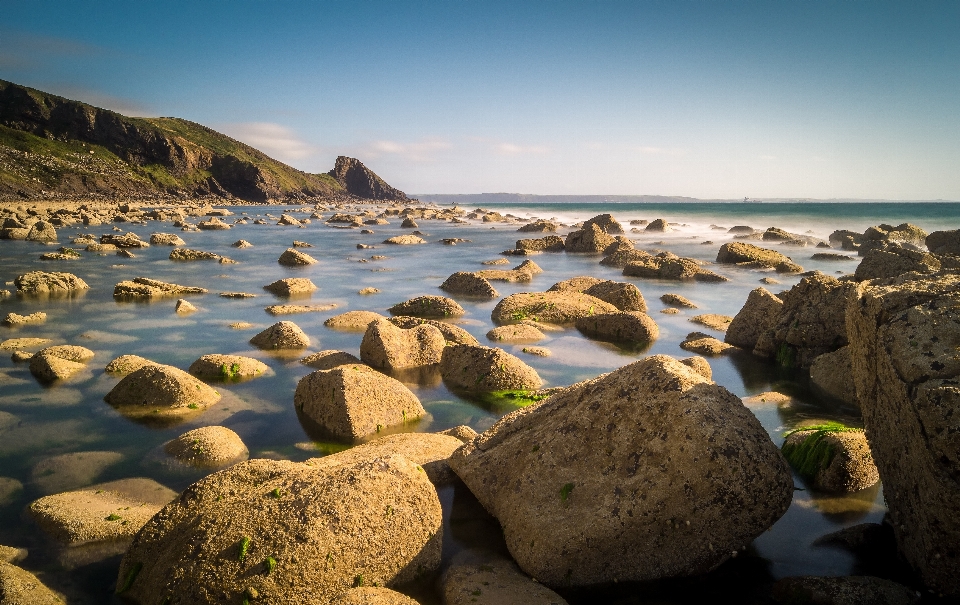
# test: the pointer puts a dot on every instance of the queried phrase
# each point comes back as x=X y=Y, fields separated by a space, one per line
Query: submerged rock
x=486 y=578
x=386 y=346
x=281 y=335
x=428 y=306
x=620 y=326
x=755 y=256
x=677 y=301
x=548 y=307
x=478 y=368
x=405 y=240
x=574 y=514
x=228 y=367
x=451 y=333
x=161 y=387
x=142 y=287
x=290 y=286
x=469 y=284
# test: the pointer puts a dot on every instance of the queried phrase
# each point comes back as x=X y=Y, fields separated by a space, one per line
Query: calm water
x=72 y=417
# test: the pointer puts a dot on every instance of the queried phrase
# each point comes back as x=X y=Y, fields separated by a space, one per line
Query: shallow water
x=72 y=417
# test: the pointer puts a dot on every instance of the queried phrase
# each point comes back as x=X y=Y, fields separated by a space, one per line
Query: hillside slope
x=49 y=144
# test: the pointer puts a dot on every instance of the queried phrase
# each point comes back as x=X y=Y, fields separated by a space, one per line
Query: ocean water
x=71 y=416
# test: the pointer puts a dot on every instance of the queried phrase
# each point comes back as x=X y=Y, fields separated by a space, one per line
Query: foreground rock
x=485 y=578
x=831 y=457
x=759 y=314
x=59 y=362
x=428 y=306
x=477 y=368
x=548 y=307
x=20 y=587
x=469 y=284
x=752 y=256
x=620 y=326
x=142 y=287
x=903 y=337
x=574 y=514
x=39 y=282
x=228 y=367
x=891 y=260
x=230 y=534
x=156 y=389
x=281 y=335
x=386 y=346
x=944 y=242
x=352 y=402
x=209 y=447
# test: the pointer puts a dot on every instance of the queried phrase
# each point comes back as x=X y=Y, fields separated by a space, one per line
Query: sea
x=40 y=421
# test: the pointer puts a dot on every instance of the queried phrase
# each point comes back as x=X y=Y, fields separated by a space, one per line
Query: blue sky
x=707 y=99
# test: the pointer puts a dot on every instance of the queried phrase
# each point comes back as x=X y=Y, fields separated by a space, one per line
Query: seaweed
x=813 y=454
x=269 y=565
x=565 y=491
x=786 y=355
x=131 y=576
x=244 y=546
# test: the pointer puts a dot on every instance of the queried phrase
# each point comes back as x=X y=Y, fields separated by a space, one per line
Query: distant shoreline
x=525 y=198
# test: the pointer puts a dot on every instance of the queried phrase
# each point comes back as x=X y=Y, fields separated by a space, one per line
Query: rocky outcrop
x=751 y=256
x=548 y=307
x=428 y=306
x=352 y=402
x=811 y=322
x=469 y=284
x=891 y=260
x=944 y=242
x=687 y=477
x=478 y=369
x=142 y=287
x=360 y=181
x=405 y=240
x=228 y=367
x=758 y=314
x=166 y=239
x=388 y=347
x=40 y=282
x=230 y=534
x=591 y=240
x=903 y=336
x=622 y=295
x=621 y=326
x=538 y=226
x=281 y=335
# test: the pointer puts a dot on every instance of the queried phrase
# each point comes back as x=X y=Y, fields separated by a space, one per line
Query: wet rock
x=574 y=514
x=829 y=256
x=713 y=321
x=462 y=432
x=161 y=387
x=242 y=243
x=469 y=284
x=372 y=595
x=904 y=233
x=386 y=346
x=142 y=287
x=40 y=282
x=620 y=326
x=621 y=258
x=281 y=335
x=831 y=457
x=831 y=374
x=20 y=587
x=548 y=307
x=64 y=472
x=230 y=533
x=672 y=267
x=405 y=240
x=903 y=335
x=622 y=295
x=12 y=319
x=295 y=258
x=575 y=284
x=289 y=221
x=550 y=243
x=605 y=222
x=677 y=301
x=184 y=307
x=844 y=590
x=516 y=333
x=591 y=239
x=352 y=402
x=47 y=367
x=42 y=231
x=538 y=226
x=659 y=226
x=352 y=320
x=186 y=254
x=209 y=447
x=451 y=333
x=126 y=364
x=704 y=344
x=327 y=360
x=293 y=309
x=485 y=578
x=759 y=314
x=368 y=291
x=409 y=223
x=166 y=239
x=944 y=242
x=214 y=224
x=428 y=306
x=124 y=240
x=754 y=256
x=479 y=369
x=291 y=286
x=228 y=367
x=892 y=260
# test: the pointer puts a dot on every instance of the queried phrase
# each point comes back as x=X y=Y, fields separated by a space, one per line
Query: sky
x=707 y=99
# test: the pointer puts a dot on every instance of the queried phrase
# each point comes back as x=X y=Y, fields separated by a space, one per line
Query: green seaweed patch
x=331 y=447
x=813 y=454
x=786 y=356
x=244 y=546
x=130 y=577
x=507 y=401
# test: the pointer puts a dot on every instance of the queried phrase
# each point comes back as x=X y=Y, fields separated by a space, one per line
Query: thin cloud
x=419 y=151
x=128 y=107
x=514 y=149
x=275 y=140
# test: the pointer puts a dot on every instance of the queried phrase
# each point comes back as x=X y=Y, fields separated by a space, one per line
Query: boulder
x=372 y=595
x=591 y=239
x=516 y=333
x=620 y=326
x=40 y=282
x=538 y=226
x=208 y=448
x=20 y=587
x=161 y=387
x=48 y=367
x=12 y=319
x=621 y=258
x=704 y=344
x=352 y=320
x=228 y=367
x=291 y=286
x=687 y=477
x=428 y=306
x=606 y=222
x=42 y=231
x=832 y=457
x=699 y=365
x=405 y=240
x=671 y=267
x=126 y=364
x=575 y=284
x=747 y=254
x=513 y=275
x=142 y=287
x=659 y=226
x=758 y=314
x=166 y=239
x=478 y=368
x=903 y=336
x=469 y=284
x=186 y=254
x=486 y=578
x=622 y=295
x=713 y=321
x=292 y=257
x=550 y=243
x=242 y=243
x=548 y=307
x=352 y=402
x=327 y=360
x=843 y=590
x=386 y=346
x=831 y=372
x=891 y=260
x=281 y=335
x=944 y=242
x=811 y=322
x=124 y=240
x=677 y=301
x=214 y=224
x=230 y=534
x=904 y=233
x=184 y=307
x=451 y=333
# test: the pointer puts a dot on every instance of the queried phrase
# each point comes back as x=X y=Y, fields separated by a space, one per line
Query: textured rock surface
x=742 y=253
x=891 y=260
x=371 y=595
x=850 y=467
x=352 y=320
x=405 y=240
x=591 y=239
x=290 y=286
x=479 y=368
x=622 y=295
x=832 y=373
x=292 y=257
x=386 y=346
x=550 y=243
x=686 y=477
x=944 y=242
x=351 y=402
x=758 y=314
x=39 y=282
x=451 y=333
x=166 y=239
x=20 y=587
x=327 y=360
x=677 y=301
x=903 y=339
x=47 y=366
x=143 y=287
x=281 y=335
x=126 y=364
x=672 y=267
x=228 y=367
x=469 y=284
x=428 y=306
x=621 y=326
x=844 y=590
x=516 y=333
x=232 y=531
x=548 y=307
x=208 y=447
x=484 y=578
x=161 y=386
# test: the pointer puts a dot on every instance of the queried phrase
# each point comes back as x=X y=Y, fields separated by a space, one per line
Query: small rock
x=12 y=319
x=228 y=367
x=295 y=258
x=126 y=364
x=405 y=240
x=209 y=447
x=184 y=307
x=516 y=333
x=352 y=320
x=428 y=306
x=677 y=301
x=620 y=326
x=291 y=286
x=538 y=351
x=713 y=321
x=281 y=335
x=477 y=368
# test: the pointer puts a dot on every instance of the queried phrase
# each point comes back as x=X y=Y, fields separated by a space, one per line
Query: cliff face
x=49 y=144
x=360 y=181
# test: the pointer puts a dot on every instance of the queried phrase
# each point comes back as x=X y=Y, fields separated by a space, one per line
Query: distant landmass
x=479 y=199
x=53 y=146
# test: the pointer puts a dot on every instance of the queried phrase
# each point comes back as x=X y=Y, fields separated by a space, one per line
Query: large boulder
x=287 y=531
x=758 y=314
x=386 y=346
x=40 y=282
x=944 y=242
x=208 y=447
x=59 y=362
x=42 y=231
x=620 y=326
x=352 y=402
x=478 y=368
x=591 y=239
x=428 y=306
x=741 y=253
x=550 y=243
x=606 y=222
x=686 y=477
x=281 y=335
x=831 y=372
x=158 y=388
x=903 y=338
x=548 y=307
x=469 y=284
x=622 y=295
x=672 y=267
x=891 y=260
x=811 y=322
